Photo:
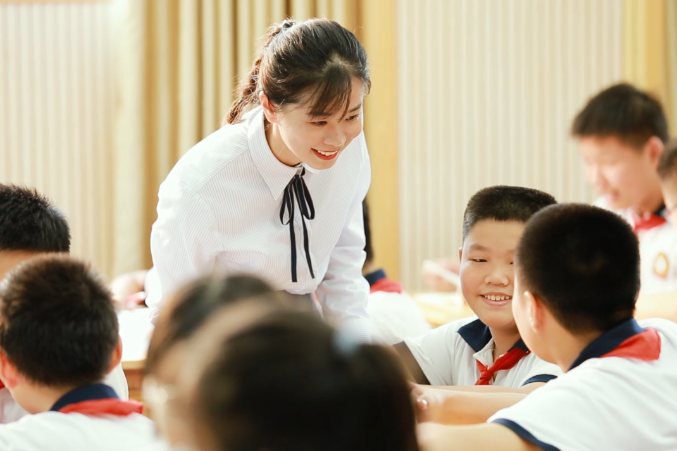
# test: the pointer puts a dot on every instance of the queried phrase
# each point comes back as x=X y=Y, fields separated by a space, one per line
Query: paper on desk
x=135 y=332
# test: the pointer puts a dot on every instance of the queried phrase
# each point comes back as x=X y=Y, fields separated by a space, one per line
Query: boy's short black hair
x=504 y=203
x=367 y=233
x=583 y=263
x=290 y=382
x=667 y=167
x=57 y=322
x=30 y=222
x=624 y=112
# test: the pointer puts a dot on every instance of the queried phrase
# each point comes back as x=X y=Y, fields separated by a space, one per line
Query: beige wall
x=487 y=90
x=56 y=113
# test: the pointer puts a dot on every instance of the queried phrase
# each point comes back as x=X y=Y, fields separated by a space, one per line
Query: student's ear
x=268 y=108
x=8 y=373
x=460 y=253
x=535 y=311
x=654 y=148
x=116 y=357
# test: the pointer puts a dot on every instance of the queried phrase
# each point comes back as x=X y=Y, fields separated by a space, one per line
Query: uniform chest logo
x=661 y=265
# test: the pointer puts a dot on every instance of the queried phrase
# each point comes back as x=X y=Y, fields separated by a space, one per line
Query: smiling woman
x=278 y=190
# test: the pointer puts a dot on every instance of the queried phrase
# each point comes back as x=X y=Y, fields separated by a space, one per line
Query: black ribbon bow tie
x=297 y=188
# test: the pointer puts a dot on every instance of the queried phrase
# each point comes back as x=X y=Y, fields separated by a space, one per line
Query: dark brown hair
x=624 y=112
x=193 y=305
x=57 y=322
x=317 y=58
x=291 y=382
x=30 y=222
x=583 y=263
x=504 y=203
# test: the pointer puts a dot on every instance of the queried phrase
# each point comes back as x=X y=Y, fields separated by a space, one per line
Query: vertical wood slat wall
x=487 y=91
x=56 y=112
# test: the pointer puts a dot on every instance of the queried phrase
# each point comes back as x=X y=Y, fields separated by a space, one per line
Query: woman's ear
x=268 y=109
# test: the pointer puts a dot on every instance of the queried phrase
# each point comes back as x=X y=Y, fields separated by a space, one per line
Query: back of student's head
x=583 y=263
x=667 y=168
x=504 y=203
x=290 y=382
x=193 y=305
x=30 y=222
x=624 y=112
x=58 y=326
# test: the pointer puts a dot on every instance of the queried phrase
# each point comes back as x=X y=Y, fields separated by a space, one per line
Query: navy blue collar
x=375 y=276
x=608 y=341
x=477 y=335
x=86 y=393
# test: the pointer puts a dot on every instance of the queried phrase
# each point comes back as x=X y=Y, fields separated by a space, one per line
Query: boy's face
x=487 y=270
x=669 y=188
x=623 y=175
x=11 y=259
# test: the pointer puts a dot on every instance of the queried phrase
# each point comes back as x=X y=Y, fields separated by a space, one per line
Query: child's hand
x=429 y=402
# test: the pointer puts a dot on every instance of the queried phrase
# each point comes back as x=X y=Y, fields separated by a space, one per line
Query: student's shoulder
x=58 y=428
x=666 y=328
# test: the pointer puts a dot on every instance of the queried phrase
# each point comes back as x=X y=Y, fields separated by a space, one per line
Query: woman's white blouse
x=219 y=212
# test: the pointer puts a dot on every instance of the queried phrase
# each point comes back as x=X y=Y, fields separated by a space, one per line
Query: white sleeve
x=117 y=380
x=344 y=292
x=183 y=242
x=434 y=353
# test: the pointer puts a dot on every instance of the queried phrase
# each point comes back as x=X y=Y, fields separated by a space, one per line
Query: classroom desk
x=442 y=308
x=136 y=329
x=135 y=332
x=438 y=309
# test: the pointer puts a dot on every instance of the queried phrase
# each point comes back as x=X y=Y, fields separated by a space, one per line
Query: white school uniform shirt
x=10 y=411
x=448 y=355
x=219 y=211
x=658 y=252
x=393 y=315
x=609 y=403
x=55 y=431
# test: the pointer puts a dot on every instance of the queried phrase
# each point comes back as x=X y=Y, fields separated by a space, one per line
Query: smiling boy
x=487 y=349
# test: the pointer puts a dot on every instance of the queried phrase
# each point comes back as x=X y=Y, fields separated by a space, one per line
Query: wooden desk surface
x=442 y=308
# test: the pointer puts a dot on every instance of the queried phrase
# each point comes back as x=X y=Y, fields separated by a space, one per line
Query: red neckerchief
x=504 y=362
x=645 y=346
x=386 y=285
x=648 y=222
x=103 y=407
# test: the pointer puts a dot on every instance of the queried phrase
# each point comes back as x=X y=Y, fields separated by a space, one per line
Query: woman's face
x=315 y=141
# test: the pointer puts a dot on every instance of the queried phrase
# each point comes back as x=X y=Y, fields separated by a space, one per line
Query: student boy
x=622 y=133
x=487 y=349
x=30 y=225
x=58 y=340
x=577 y=278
